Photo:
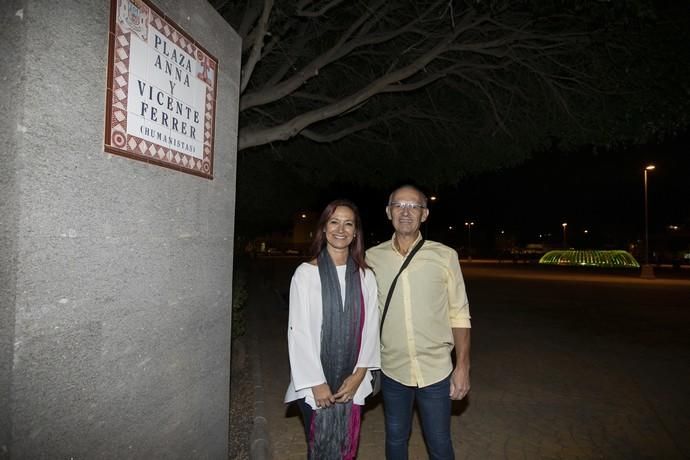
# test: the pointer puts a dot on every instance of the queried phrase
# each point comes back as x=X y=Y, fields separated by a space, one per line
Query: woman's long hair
x=357 y=245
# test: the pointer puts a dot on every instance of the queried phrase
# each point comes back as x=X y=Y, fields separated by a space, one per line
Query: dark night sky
x=601 y=192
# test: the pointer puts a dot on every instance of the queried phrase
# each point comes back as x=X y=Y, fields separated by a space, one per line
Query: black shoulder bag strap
x=395 y=280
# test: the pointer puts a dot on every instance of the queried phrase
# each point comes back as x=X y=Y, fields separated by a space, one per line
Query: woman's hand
x=349 y=387
x=323 y=395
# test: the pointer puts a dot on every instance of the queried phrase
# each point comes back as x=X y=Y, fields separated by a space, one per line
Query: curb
x=259 y=441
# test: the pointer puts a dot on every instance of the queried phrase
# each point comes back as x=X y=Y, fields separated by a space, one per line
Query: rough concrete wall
x=10 y=29
x=123 y=270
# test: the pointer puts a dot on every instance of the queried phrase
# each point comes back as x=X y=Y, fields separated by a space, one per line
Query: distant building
x=294 y=241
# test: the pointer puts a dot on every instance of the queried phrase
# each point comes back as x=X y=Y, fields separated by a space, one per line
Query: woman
x=333 y=334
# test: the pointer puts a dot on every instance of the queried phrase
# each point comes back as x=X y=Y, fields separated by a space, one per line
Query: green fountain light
x=590 y=258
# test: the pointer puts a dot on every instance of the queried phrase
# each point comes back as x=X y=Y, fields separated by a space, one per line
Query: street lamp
x=469 y=226
x=565 y=239
x=647 y=269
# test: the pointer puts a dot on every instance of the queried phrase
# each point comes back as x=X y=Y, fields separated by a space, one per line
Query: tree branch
x=255 y=54
x=252 y=10
x=250 y=137
x=342 y=48
x=351 y=129
x=316 y=13
x=313 y=97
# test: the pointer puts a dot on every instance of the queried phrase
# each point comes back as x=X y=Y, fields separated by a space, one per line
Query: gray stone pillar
x=115 y=275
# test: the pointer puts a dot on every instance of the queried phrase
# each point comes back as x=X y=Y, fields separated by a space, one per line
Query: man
x=427 y=317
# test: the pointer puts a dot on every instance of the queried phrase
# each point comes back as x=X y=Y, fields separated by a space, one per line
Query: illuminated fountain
x=590 y=258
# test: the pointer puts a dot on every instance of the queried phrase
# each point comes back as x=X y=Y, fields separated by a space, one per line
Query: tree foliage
x=343 y=89
x=327 y=69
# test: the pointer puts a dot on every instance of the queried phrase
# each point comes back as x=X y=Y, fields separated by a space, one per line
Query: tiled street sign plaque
x=161 y=96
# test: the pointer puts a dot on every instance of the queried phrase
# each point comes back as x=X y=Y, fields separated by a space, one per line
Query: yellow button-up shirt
x=428 y=301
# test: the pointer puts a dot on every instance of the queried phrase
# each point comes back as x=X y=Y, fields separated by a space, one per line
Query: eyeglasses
x=400 y=205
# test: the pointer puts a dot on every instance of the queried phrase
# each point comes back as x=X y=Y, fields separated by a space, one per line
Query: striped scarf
x=335 y=430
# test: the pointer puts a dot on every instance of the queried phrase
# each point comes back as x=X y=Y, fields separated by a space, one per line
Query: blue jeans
x=434 y=405
x=307 y=413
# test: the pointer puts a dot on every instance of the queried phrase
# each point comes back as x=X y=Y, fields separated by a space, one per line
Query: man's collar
x=414 y=243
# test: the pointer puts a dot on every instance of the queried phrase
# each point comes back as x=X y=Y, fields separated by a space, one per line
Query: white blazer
x=304 y=333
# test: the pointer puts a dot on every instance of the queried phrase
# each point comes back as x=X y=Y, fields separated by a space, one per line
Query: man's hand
x=323 y=395
x=459 y=382
x=350 y=385
x=460 y=378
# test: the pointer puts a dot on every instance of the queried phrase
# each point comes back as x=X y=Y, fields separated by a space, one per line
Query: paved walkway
x=539 y=390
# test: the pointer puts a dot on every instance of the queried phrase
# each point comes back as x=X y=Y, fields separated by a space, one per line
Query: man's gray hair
x=416 y=189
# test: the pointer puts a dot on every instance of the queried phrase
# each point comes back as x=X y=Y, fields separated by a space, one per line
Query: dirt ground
x=241 y=402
